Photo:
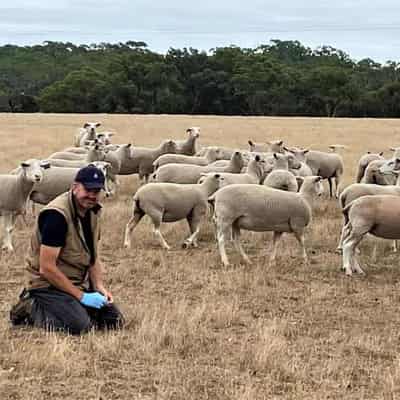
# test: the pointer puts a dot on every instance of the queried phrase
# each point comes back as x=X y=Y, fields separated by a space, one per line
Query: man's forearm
x=96 y=275
x=60 y=281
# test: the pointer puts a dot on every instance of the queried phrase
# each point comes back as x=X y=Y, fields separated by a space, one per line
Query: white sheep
x=300 y=155
x=142 y=159
x=260 y=208
x=254 y=174
x=189 y=173
x=16 y=188
x=374 y=174
x=188 y=146
x=58 y=180
x=365 y=159
x=88 y=132
x=273 y=146
x=225 y=153
x=327 y=165
x=357 y=190
x=210 y=156
x=280 y=177
x=377 y=215
x=169 y=202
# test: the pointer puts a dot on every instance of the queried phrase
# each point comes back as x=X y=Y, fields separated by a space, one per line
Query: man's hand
x=106 y=294
x=94 y=299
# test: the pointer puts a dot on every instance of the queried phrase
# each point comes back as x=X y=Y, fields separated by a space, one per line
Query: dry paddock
x=197 y=330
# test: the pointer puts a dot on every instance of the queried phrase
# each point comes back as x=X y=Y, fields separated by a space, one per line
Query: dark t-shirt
x=53 y=230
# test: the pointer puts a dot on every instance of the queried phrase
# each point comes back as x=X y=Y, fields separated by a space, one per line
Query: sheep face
x=276 y=146
x=33 y=169
x=389 y=166
x=106 y=168
x=91 y=126
x=193 y=132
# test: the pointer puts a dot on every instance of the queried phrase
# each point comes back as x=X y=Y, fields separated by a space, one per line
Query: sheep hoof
x=339 y=250
x=185 y=245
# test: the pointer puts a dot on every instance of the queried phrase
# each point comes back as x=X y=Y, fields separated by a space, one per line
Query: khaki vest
x=74 y=257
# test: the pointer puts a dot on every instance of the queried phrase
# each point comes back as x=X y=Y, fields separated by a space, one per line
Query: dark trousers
x=55 y=310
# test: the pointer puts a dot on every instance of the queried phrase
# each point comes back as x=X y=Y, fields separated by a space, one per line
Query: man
x=66 y=290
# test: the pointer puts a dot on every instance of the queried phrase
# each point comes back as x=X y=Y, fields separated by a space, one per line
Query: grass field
x=197 y=330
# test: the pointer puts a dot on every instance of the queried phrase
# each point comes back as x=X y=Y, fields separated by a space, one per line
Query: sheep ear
x=45 y=164
x=280 y=143
x=286 y=149
x=217 y=176
x=275 y=156
x=25 y=164
x=368 y=152
x=305 y=151
x=257 y=158
x=97 y=124
x=392 y=149
x=128 y=145
x=85 y=125
x=250 y=142
x=188 y=130
x=381 y=153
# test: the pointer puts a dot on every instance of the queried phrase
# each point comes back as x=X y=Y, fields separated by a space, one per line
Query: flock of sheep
x=268 y=187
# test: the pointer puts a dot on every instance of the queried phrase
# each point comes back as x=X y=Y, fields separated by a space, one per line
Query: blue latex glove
x=95 y=300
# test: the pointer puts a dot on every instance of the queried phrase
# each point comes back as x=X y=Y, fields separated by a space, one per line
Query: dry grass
x=197 y=330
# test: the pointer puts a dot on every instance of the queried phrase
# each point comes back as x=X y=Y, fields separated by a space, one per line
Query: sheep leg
x=300 y=238
x=222 y=233
x=330 y=187
x=194 y=225
x=394 y=246
x=342 y=236
x=9 y=227
x=337 y=183
x=237 y=244
x=130 y=226
x=275 y=240
x=349 y=246
x=157 y=219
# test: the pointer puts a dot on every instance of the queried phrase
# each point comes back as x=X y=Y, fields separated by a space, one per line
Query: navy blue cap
x=91 y=177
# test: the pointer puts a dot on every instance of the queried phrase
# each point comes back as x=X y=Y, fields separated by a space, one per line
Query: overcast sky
x=361 y=28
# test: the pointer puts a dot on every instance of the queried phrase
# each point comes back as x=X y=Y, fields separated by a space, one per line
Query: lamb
x=260 y=208
x=357 y=190
x=169 y=202
x=95 y=153
x=88 y=132
x=328 y=165
x=364 y=161
x=225 y=153
x=300 y=155
x=58 y=180
x=210 y=156
x=378 y=215
x=374 y=174
x=280 y=177
x=189 y=174
x=16 y=189
x=254 y=174
x=273 y=146
x=188 y=146
x=142 y=159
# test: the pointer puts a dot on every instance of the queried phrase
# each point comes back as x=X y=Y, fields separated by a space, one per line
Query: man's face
x=85 y=198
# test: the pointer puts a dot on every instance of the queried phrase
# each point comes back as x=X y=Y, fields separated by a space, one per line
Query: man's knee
x=111 y=318
x=79 y=325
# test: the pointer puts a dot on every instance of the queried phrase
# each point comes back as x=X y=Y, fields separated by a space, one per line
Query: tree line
x=280 y=78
